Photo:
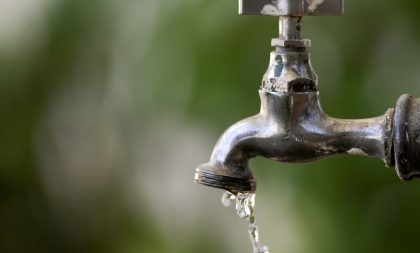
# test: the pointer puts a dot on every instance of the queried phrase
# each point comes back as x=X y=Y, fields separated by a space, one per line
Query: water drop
x=228 y=198
x=245 y=208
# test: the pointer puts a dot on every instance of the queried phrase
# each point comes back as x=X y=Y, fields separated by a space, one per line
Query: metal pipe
x=290 y=28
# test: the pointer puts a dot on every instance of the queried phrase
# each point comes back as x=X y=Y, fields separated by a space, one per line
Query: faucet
x=291 y=125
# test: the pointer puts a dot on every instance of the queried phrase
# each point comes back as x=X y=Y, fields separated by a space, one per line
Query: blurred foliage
x=85 y=91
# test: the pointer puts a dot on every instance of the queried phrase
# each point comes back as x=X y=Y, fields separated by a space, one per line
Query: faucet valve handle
x=291 y=13
x=406 y=143
x=296 y=8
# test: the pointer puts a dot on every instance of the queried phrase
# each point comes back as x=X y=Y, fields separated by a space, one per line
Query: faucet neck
x=290 y=28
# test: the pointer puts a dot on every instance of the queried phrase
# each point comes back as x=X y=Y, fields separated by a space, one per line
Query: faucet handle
x=297 y=8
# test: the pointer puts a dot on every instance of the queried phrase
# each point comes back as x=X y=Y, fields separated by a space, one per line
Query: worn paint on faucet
x=270 y=9
x=313 y=4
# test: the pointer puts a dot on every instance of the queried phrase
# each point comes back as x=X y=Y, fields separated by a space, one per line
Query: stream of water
x=245 y=208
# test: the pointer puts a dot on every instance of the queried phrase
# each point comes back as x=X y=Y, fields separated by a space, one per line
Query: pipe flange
x=407 y=137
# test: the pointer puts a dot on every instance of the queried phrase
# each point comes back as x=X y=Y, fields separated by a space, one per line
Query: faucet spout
x=228 y=166
x=291 y=127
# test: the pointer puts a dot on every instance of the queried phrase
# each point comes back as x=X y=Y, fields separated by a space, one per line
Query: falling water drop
x=245 y=208
x=228 y=198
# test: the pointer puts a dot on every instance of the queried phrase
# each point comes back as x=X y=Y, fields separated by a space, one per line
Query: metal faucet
x=291 y=125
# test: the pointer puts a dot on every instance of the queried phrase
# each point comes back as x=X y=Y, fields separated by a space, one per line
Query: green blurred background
x=106 y=107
